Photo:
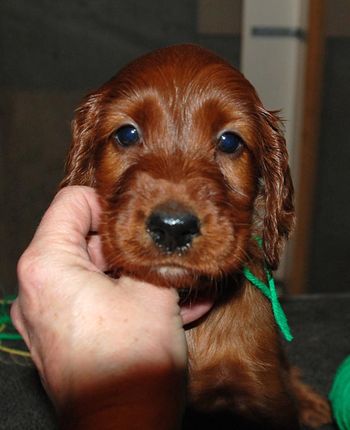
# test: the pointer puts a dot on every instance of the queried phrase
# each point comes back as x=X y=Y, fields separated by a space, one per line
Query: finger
x=151 y=294
x=73 y=213
x=95 y=252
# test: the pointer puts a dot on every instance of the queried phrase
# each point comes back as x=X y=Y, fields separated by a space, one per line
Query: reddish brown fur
x=181 y=98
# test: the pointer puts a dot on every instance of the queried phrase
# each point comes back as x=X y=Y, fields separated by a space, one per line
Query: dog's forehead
x=182 y=70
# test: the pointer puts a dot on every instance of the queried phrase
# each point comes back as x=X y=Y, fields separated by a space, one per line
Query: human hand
x=111 y=353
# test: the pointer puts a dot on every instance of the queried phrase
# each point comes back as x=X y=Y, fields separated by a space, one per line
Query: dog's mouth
x=196 y=299
x=195 y=302
x=194 y=305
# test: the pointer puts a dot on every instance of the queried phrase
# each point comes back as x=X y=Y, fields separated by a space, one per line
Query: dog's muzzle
x=173 y=229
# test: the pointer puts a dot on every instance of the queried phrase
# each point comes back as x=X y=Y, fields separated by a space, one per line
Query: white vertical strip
x=274 y=64
x=272 y=58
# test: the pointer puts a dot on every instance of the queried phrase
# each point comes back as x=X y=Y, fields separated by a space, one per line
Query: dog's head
x=186 y=161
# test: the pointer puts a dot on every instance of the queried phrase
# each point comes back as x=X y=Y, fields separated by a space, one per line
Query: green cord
x=10 y=336
x=5 y=320
x=9 y=298
x=270 y=292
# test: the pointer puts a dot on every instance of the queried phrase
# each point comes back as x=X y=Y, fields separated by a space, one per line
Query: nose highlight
x=173 y=231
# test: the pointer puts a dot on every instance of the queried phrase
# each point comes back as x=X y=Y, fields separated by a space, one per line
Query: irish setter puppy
x=190 y=169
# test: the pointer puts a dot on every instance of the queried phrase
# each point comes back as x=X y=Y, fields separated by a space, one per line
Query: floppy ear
x=277 y=188
x=79 y=167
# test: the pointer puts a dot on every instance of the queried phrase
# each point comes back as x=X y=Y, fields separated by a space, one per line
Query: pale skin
x=111 y=353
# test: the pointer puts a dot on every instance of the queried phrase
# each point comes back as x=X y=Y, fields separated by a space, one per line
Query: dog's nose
x=173 y=231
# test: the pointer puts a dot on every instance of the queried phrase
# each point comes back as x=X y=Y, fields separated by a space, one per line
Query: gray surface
x=23 y=403
x=321 y=326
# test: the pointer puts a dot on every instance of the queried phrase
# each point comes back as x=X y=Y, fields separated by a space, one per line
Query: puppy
x=190 y=169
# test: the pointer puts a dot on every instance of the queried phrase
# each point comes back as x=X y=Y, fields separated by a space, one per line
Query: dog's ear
x=276 y=189
x=79 y=167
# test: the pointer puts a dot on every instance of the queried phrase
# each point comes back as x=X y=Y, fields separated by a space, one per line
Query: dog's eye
x=229 y=142
x=126 y=135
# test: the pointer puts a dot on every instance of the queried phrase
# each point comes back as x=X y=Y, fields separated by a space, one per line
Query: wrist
x=145 y=400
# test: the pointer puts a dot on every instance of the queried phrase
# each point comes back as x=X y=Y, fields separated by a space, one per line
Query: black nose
x=172 y=231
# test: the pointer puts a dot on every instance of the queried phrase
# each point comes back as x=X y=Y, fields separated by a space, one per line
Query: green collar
x=270 y=292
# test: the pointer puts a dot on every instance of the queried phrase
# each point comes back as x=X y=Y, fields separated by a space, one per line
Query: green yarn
x=6 y=322
x=340 y=396
x=270 y=292
x=10 y=336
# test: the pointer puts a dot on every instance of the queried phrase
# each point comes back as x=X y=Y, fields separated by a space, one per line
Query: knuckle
x=67 y=192
x=30 y=268
x=72 y=191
